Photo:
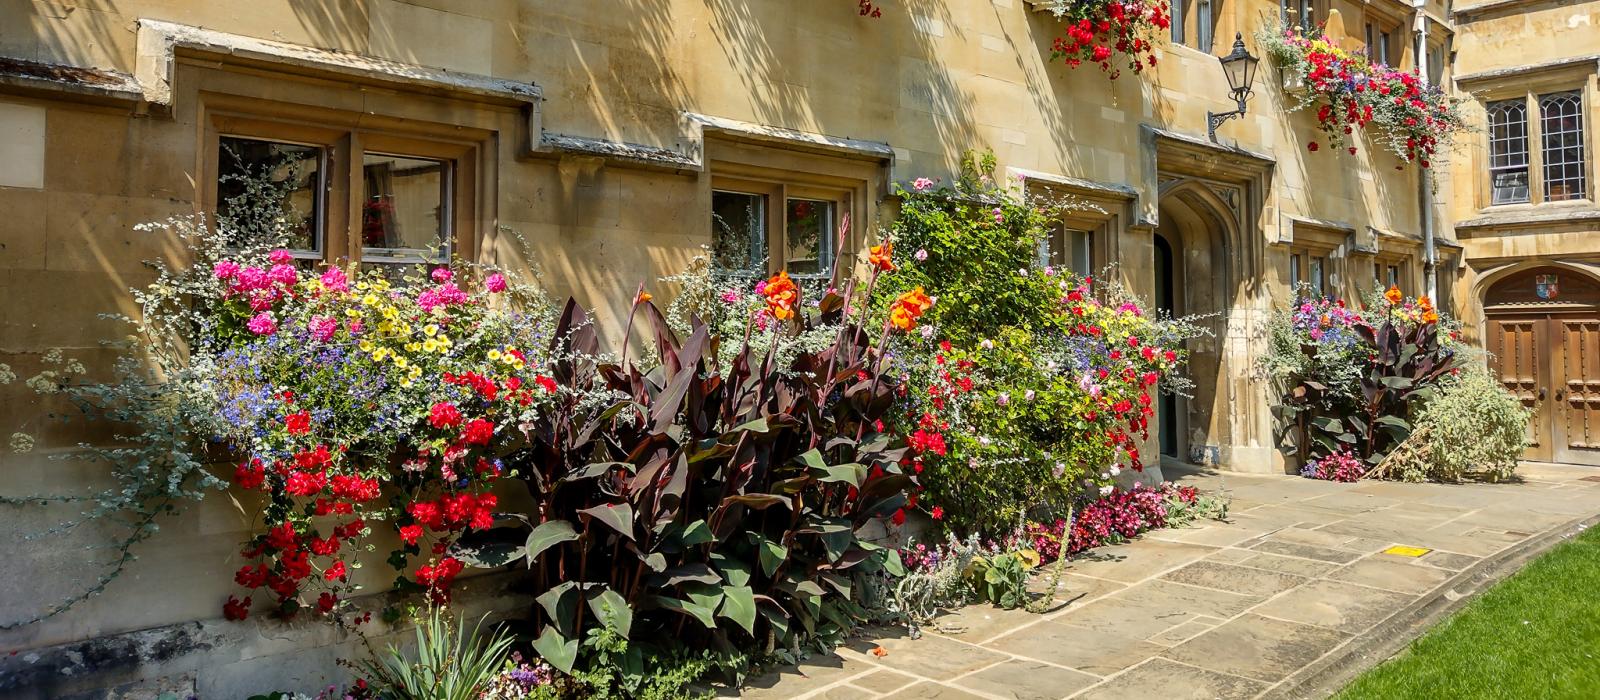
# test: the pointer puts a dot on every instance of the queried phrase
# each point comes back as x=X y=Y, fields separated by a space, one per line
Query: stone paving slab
x=1294 y=583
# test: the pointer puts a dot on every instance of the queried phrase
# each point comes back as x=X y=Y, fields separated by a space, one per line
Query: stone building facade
x=605 y=142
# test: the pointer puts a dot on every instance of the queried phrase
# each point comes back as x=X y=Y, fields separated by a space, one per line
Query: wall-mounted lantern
x=1240 y=67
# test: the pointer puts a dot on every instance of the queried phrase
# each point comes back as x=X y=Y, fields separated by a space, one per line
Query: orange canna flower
x=1393 y=295
x=908 y=308
x=880 y=255
x=781 y=294
x=643 y=298
x=1430 y=316
x=1424 y=302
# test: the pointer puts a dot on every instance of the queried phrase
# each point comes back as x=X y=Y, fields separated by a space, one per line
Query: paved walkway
x=1291 y=597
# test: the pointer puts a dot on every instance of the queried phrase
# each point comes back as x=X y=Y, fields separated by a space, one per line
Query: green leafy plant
x=1002 y=579
x=697 y=507
x=1026 y=381
x=1352 y=380
x=449 y=663
x=1471 y=428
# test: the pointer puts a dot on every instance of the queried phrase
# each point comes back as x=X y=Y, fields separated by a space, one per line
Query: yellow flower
x=385 y=327
x=413 y=347
x=390 y=312
x=430 y=345
x=400 y=361
x=353 y=312
x=362 y=286
x=369 y=300
x=430 y=330
x=365 y=345
x=377 y=355
x=494 y=354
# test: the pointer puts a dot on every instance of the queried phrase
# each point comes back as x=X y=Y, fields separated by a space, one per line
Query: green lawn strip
x=1534 y=635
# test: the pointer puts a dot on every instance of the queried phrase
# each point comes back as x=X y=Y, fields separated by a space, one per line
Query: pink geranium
x=263 y=324
x=334 y=280
x=495 y=283
x=323 y=328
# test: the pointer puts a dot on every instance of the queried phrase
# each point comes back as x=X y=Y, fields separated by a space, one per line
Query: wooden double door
x=1552 y=362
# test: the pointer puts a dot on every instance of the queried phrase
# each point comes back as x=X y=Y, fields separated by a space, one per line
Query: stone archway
x=1194 y=234
x=1209 y=212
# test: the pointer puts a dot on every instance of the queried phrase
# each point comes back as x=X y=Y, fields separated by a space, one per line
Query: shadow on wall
x=820 y=67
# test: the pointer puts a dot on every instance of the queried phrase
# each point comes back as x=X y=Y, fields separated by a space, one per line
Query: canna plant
x=706 y=507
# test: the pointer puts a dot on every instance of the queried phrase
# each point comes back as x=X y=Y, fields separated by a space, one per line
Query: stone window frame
x=1309 y=14
x=1312 y=244
x=1099 y=210
x=1194 y=23
x=780 y=173
x=1530 y=92
x=344 y=147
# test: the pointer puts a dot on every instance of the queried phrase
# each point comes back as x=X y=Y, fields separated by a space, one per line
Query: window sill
x=1512 y=215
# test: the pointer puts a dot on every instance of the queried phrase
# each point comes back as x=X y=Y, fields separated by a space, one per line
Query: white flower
x=1028 y=396
x=1061 y=468
x=984 y=441
x=927 y=331
x=1105 y=475
x=1003 y=399
x=1115 y=470
x=987 y=344
x=1105 y=490
x=1023 y=271
x=922 y=254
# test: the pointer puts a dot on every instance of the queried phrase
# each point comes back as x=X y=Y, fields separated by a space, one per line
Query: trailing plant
x=1098 y=31
x=1351 y=91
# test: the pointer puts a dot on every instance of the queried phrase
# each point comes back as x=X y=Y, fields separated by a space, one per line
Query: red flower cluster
x=438 y=577
x=1109 y=519
x=1098 y=30
x=458 y=511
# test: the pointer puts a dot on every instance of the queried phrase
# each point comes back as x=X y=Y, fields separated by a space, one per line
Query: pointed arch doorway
x=1192 y=267
x=1207 y=248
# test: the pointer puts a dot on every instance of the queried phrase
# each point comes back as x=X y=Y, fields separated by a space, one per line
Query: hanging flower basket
x=1350 y=92
x=1108 y=33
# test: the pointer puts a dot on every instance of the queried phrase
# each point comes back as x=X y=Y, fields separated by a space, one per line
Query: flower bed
x=1351 y=92
x=1355 y=380
x=1025 y=386
x=1109 y=32
x=1116 y=517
